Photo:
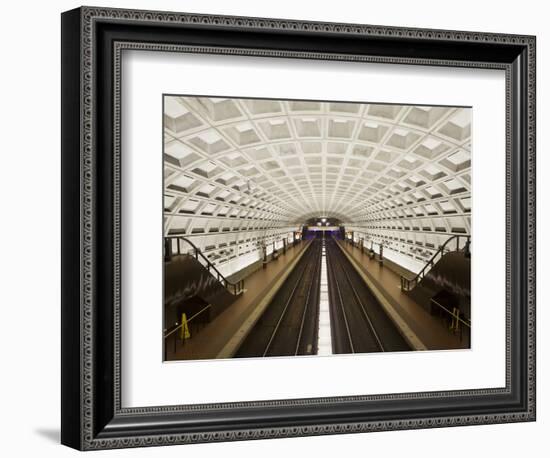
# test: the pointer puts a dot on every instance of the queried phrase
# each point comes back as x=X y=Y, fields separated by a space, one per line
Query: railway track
x=288 y=327
x=359 y=322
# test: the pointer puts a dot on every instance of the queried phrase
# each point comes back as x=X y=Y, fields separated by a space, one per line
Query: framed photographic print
x=279 y=228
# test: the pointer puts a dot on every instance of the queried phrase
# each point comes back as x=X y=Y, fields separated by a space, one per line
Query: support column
x=167 y=249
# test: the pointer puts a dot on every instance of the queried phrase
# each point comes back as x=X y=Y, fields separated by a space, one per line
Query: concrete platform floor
x=431 y=330
x=219 y=337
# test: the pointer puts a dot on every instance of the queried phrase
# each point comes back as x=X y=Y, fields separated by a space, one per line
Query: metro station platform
x=221 y=337
x=385 y=283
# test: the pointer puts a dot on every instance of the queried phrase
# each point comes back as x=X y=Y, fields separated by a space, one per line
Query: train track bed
x=288 y=327
x=359 y=322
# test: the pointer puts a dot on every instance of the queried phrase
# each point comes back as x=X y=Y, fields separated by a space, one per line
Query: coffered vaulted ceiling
x=257 y=164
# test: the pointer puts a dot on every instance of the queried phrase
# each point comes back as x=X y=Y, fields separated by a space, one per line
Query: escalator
x=443 y=286
x=192 y=284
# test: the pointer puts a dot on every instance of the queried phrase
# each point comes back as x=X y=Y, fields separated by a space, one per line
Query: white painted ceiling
x=245 y=164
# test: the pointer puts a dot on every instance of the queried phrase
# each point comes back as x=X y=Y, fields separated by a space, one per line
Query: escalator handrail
x=237 y=287
x=420 y=275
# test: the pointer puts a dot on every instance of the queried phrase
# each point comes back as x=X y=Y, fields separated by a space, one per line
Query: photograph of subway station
x=305 y=227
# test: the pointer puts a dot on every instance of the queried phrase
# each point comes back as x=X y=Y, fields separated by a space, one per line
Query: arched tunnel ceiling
x=277 y=163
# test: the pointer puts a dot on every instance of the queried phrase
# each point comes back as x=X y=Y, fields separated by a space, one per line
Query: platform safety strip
x=324 y=342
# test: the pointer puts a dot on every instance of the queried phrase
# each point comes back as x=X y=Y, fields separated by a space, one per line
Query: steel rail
x=362 y=306
x=341 y=300
x=304 y=314
x=289 y=300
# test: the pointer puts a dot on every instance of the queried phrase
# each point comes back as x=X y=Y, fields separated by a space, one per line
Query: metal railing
x=407 y=284
x=457 y=321
x=234 y=288
x=178 y=327
x=454 y=315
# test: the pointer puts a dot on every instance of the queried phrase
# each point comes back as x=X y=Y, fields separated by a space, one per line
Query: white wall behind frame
x=30 y=385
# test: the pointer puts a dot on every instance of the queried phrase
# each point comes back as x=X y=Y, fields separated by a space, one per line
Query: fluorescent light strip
x=324 y=344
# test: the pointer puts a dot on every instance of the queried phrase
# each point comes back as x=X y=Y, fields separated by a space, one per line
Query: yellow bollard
x=455 y=323
x=185 y=334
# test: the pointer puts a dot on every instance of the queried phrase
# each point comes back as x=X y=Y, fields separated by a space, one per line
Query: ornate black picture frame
x=92 y=42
